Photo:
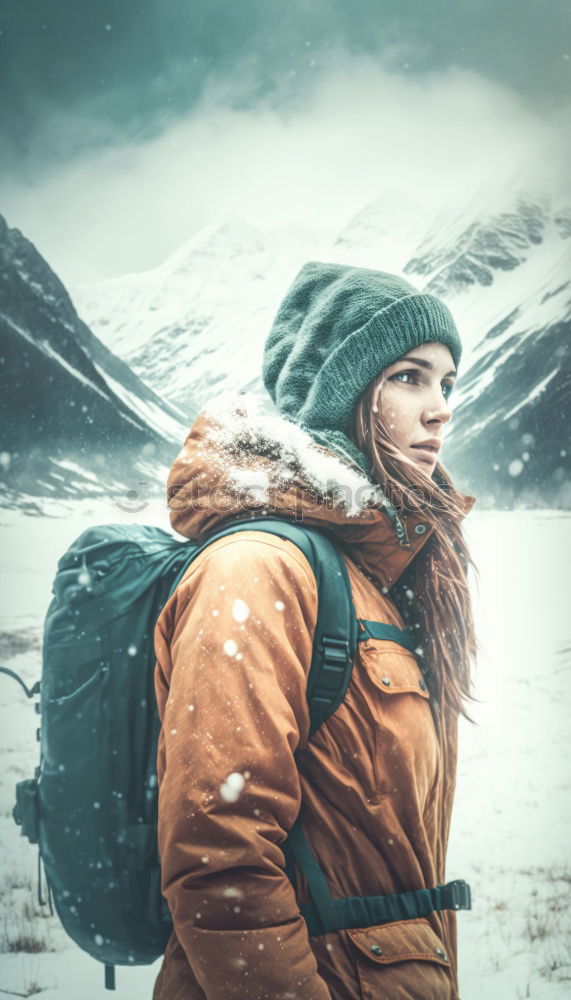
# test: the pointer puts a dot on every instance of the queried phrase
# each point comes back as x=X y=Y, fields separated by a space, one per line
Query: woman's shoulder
x=252 y=554
x=255 y=579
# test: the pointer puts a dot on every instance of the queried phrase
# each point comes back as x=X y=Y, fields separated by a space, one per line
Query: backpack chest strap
x=379 y=630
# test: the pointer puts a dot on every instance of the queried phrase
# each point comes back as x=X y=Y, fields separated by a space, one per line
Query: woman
x=360 y=367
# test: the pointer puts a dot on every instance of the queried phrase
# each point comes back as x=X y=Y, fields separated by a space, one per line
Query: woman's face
x=413 y=401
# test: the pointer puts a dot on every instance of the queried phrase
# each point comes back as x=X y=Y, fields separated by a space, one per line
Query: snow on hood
x=239 y=458
x=278 y=452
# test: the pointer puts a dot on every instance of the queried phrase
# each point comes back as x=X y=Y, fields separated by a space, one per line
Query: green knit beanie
x=337 y=328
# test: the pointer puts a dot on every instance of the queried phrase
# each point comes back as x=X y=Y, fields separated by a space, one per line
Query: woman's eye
x=399 y=375
x=447 y=387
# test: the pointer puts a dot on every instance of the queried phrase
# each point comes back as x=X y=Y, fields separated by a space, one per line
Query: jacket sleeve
x=234 y=651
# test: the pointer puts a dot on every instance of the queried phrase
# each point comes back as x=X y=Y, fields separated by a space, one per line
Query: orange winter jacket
x=374 y=784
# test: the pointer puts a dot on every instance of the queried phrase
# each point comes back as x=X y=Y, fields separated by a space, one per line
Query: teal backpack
x=91 y=806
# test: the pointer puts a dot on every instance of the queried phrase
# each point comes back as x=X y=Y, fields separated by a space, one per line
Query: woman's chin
x=426 y=467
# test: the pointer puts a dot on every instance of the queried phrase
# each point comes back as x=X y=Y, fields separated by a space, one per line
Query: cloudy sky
x=127 y=126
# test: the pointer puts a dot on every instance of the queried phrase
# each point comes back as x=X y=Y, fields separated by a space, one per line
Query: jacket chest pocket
x=407 y=750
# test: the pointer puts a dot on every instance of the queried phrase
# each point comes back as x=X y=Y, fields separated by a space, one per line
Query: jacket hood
x=241 y=461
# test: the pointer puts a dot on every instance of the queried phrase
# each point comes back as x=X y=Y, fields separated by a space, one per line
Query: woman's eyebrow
x=425 y=364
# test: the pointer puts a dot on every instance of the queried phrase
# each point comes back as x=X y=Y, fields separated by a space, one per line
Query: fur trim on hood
x=240 y=460
x=284 y=452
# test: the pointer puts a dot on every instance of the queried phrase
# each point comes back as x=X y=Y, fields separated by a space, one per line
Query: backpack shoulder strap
x=335 y=639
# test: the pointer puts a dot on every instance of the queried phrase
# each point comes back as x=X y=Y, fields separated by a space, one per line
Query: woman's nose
x=438 y=408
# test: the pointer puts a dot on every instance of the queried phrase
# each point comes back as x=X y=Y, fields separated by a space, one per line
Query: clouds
x=359 y=129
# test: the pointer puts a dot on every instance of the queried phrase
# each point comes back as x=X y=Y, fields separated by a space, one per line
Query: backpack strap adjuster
x=456 y=895
x=335 y=651
x=331 y=678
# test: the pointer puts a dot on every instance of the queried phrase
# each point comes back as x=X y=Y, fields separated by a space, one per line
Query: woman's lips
x=428 y=455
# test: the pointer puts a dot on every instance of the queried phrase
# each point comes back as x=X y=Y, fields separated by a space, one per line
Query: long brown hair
x=432 y=594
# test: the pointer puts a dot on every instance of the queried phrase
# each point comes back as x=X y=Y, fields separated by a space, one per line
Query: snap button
x=441 y=954
x=422 y=685
x=376 y=949
x=386 y=681
x=420 y=529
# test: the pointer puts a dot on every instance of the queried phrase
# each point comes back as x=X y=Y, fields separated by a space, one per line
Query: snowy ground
x=510 y=835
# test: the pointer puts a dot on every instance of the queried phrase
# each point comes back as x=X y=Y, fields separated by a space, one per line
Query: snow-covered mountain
x=385 y=233
x=195 y=326
x=76 y=420
x=504 y=267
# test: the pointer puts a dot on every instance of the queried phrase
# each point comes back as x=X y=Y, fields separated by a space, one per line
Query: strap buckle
x=457 y=895
x=335 y=651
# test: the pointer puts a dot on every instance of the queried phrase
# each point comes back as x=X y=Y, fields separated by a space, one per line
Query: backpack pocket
x=74 y=728
x=403 y=959
x=25 y=812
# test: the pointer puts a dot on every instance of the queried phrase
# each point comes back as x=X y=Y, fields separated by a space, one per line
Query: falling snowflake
x=279 y=606
x=234 y=785
x=240 y=610
x=231 y=892
x=515 y=467
x=230 y=647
